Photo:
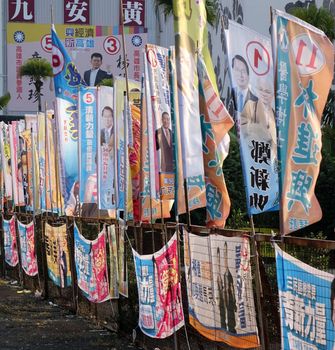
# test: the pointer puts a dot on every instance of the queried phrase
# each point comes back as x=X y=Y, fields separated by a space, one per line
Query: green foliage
x=328 y=116
x=4 y=100
x=237 y=220
x=106 y=82
x=211 y=9
x=320 y=18
x=37 y=68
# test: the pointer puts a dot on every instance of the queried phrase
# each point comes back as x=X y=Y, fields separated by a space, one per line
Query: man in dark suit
x=94 y=76
x=107 y=132
x=164 y=144
x=241 y=91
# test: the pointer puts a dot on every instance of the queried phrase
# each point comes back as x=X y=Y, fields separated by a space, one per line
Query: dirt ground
x=29 y=322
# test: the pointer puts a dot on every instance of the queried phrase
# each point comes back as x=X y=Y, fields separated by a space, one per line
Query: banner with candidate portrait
x=67 y=80
x=219 y=289
x=304 y=72
x=106 y=148
x=306 y=298
x=159 y=291
x=27 y=248
x=57 y=253
x=6 y=160
x=91 y=266
x=10 y=243
x=251 y=72
x=87 y=97
x=160 y=133
x=215 y=124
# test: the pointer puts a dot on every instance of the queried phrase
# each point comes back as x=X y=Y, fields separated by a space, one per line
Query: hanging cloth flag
x=306 y=299
x=57 y=253
x=304 y=61
x=67 y=80
x=160 y=300
x=5 y=158
x=113 y=263
x=27 y=248
x=251 y=72
x=91 y=266
x=10 y=244
x=215 y=124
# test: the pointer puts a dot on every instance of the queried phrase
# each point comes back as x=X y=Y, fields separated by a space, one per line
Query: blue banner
x=67 y=81
x=307 y=297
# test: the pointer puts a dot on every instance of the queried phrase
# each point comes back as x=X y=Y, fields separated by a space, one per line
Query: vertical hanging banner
x=305 y=67
x=57 y=253
x=41 y=151
x=251 y=72
x=219 y=289
x=5 y=157
x=106 y=148
x=27 y=248
x=306 y=297
x=26 y=137
x=10 y=244
x=91 y=266
x=113 y=263
x=215 y=124
x=161 y=134
x=67 y=80
x=122 y=262
x=88 y=144
x=157 y=275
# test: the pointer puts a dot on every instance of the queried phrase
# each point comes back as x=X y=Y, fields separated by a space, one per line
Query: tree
x=211 y=9
x=4 y=100
x=106 y=82
x=37 y=69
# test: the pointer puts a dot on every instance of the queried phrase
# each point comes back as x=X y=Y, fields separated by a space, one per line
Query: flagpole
x=258 y=283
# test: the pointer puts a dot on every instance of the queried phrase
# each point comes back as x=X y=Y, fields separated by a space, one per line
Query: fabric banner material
x=251 y=71
x=27 y=248
x=305 y=67
x=122 y=261
x=160 y=303
x=215 y=124
x=106 y=148
x=219 y=289
x=91 y=266
x=5 y=157
x=10 y=243
x=67 y=80
x=306 y=297
x=113 y=263
x=57 y=255
x=41 y=150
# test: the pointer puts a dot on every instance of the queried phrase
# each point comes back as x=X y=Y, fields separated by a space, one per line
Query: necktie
x=240 y=102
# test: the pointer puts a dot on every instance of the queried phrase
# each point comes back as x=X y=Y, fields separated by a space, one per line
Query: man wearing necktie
x=164 y=144
x=107 y=131
x=241 y=91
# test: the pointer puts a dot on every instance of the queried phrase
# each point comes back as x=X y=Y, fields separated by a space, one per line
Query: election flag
x=91 y=266
x=251 y=72
x=67 y=80
x=215 y=124
x=57 y=253
x=219 y=289
x=5 y=158
x=304 y=61
x=27 y=248
x=10 y=243
x=306 y=298
x=41 y=151
x=159 y=291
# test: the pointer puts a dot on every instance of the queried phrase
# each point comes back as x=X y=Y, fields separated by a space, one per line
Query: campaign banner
x=122 y=260
x=113 y=263
x=27 y=248
x=87 y=97
x=160 y=132
x=17 y=181
x=304 y=72
x=158 y=283
x=26 y=41
x=251 y=72
x=58 y=258
x=91 y=266
x=219 y=289
x=6 y=160
x=10 y=243
x=215 y=124
x=306 y=297
x=41 y=151
x=106 y=148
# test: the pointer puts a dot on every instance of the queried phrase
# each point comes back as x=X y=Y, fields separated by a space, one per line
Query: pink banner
x=27 y=248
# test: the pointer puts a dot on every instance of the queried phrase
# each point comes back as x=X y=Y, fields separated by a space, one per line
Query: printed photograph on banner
x=219 y=289
x=307 y=304
x=159 y=291
x=252 y=80
x=10 y=243
x=6 y=161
